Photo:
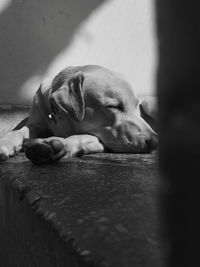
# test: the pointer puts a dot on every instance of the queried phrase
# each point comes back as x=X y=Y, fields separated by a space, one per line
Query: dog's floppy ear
x=69 y=97
x=76 y=103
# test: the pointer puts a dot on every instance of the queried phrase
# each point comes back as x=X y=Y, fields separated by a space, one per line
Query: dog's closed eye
x=115 y=107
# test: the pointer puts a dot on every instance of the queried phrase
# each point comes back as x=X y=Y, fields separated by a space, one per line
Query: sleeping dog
x=83 y=110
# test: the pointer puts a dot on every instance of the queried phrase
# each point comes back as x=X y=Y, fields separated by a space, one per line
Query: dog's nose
x=152 y=142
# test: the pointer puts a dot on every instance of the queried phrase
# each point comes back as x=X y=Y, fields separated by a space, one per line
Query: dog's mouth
x=119 y=146
x=122 y=145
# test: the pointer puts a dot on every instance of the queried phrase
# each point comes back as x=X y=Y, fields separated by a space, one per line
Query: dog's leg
x=11 y=143
x=79 y=145
x=51 y=149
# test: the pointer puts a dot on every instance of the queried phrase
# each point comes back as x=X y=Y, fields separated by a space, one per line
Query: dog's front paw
x=7 y=149
x=41 y=151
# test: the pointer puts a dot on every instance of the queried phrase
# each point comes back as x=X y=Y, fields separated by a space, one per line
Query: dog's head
x=101 y=103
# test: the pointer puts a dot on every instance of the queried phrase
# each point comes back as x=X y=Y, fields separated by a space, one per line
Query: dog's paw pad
x=37 y=151
x=56 y=145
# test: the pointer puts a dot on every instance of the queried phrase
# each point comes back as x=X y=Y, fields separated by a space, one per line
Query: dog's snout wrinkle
x=128 y=128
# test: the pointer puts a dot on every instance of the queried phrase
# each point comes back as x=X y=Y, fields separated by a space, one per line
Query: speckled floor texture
x=97 y=210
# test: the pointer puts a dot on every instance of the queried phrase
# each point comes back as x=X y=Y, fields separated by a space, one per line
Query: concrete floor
x=97 y=210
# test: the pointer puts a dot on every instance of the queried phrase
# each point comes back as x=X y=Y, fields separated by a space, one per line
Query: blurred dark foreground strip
x=178 y=84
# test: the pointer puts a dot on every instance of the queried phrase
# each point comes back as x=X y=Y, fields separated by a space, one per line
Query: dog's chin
x=125 y=148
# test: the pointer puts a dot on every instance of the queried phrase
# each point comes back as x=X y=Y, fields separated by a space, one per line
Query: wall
x=38 y=38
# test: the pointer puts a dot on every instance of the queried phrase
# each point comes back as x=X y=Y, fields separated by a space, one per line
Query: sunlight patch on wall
x=119 y=35
x=4 y=4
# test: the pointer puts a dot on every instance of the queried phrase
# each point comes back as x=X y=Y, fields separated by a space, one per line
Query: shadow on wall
x=32 y=33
